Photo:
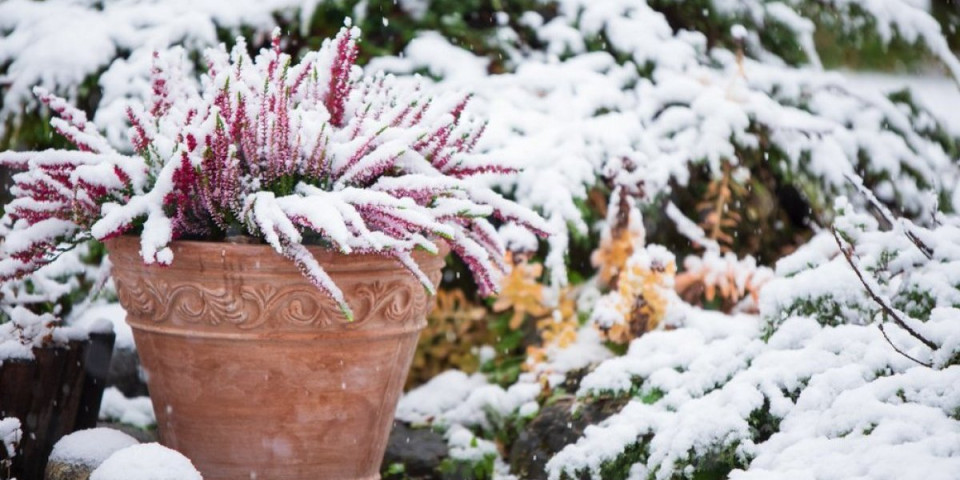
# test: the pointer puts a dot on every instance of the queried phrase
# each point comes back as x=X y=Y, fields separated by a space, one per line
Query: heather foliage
x=290 y=153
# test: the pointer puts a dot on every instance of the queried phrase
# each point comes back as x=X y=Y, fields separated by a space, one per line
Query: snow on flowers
x=290 y=153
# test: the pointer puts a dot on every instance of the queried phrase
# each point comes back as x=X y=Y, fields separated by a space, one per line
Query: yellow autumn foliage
x=455 y=328
x=521 y=291
x=641 y=299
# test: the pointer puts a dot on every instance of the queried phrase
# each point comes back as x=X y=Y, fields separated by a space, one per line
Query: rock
x=419 y=450
x=77 y=455
x=554 y=427
x=142 y=435
x=125 y=373
x=146 y=461
x=58 y=470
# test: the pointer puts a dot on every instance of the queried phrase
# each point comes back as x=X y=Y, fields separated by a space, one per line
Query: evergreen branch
x=893 y=312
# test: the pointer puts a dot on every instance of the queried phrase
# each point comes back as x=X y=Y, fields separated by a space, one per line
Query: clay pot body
x=255 y=373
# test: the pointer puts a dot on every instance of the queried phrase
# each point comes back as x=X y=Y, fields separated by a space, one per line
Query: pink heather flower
x=274 y=149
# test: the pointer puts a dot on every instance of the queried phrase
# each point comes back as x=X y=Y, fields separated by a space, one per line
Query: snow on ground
x=136 y=411
x=90 y=447
x=148 y=461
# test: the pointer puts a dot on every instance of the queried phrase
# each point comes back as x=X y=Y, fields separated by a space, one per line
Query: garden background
x=755 y=271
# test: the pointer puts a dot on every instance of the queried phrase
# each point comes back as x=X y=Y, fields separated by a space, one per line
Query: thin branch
x=889 y=309
x=901 y=352
x=889 y=217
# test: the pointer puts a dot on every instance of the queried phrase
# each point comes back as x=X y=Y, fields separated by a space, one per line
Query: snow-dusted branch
x=872 y=289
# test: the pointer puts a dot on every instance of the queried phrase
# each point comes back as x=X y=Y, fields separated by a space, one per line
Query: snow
x=136 y=411
x=26 y=331
x=936 y=93
x=570 y=119
x=149 y=461
x=35 y=34
x=90 y=447
x=712 y=385
x=10 y=434
x=442 y=393
x=115 y=317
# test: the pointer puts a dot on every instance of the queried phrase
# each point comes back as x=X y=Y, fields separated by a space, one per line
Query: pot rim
x=202 y=255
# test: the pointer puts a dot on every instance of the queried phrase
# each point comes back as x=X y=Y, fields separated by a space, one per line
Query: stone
x=125 y=373
x=556 y=426
x=419 y=450
x=62 y=470
x=78 y=454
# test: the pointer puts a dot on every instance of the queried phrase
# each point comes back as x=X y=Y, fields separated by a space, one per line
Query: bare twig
x=889 y=217
x=889 y=309
x=901 y=352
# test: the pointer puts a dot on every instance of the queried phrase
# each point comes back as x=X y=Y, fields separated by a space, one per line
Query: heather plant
x=288 y=153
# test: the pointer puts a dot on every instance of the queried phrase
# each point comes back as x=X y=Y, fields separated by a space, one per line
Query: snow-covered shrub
x=904 y=277
x=289 y=153
x=33 y=308
x=806 y=401
x=629 y=80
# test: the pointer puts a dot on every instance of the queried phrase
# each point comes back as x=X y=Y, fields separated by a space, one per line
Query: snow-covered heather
x=22 y=329
x=148 y=461
x=90 y=447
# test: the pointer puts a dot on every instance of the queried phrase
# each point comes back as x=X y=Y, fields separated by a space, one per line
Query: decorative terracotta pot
x=255 y=373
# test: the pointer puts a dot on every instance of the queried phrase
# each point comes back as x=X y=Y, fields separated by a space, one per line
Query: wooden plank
x=39 y=420
x=96 y=369
x=55 y=394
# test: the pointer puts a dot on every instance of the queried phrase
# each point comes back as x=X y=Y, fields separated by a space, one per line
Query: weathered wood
x=97 y=369
x=55 y=394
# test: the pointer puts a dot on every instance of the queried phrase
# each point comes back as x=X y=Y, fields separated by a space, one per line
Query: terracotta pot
x=254 y=373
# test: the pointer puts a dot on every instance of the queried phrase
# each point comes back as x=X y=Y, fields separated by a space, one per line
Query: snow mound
x=149 y=461
x=136 y=411
x=90 y=447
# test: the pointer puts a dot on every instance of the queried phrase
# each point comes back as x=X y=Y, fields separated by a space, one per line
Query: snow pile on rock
x=148 y=461
x=90 y=447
